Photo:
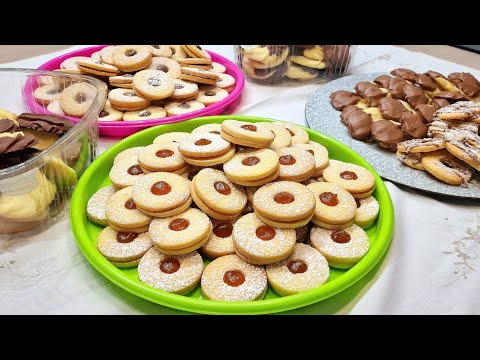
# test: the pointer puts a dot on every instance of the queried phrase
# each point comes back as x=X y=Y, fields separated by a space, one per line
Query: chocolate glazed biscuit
x=358 y=124
x=10 y=144
x=7 y=125
x=466 y=82
x=396 y=86
x=414 y=95
x=48 y=123
x=387 y=134
x=369 y=92
x=341 y=99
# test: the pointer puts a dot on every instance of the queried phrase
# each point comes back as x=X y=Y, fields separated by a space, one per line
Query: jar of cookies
x=293 y=64
x=42 y=153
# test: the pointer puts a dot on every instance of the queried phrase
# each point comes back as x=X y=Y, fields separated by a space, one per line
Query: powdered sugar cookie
x=342 y=248
x=47 y=93
x=247 y=134
x=160 y=191
x=217 y=67
x=122 y=248
x=209 y=96
x=320 y=154
x=72 y=63
x=261 y=244
x=226 y=82
x=132 y=152
x=122 y=212
x=208 y=128
x=211 y=160
x=334 y=205
x=296 y=164
x=367 y=212
x=184 y=90
x=97 y=204
x=127 y=100
x=210 y=211
x=204 y=145
x=160 y=50
x=220 y=242
x=151 y=112
x=282 y=136
x=161 y=157
x=130 y=58
x=106 y=54
x=285 y=224
x=444 y=166
x=175 y=274
x=299 y=135
x=125 y=172
x=178 y=52
x=284 y=201
x=229 y=278
x=175 y=137
x=354 y=178
x=196 y=51
x=77 y=99
x=109 y=113
x=304 y=270
x=179 y=108
x=251 y=165
x=153 y=84
x=95 y=67
x=200 y=76
x=181 y=231
x=55 y=107
x=123 y=81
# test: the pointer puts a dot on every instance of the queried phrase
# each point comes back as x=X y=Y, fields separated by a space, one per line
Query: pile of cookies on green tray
x=246 y=195
x=145 y=82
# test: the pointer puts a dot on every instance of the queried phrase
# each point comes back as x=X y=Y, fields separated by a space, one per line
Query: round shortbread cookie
x=176 y=274
x=126 y=99
x=77 y=99
x=175 y=137
x=179 y=108
x=153 y=84
x=251 y=165
x=217 y=67
x=47 y=94
x=97 y=204
x=130 y=58
x=196 y=51
x=342 y=248
x=106 y=54
x=320 y=154
x=109 y=113
x=299 y=135
x=225 y=81
x=353 y=178
x=125 y=172
x=208 y=128
x=249 y=132
x=209 y=96
x=160 y=50
x=367 y=212
x=122 y=212
x=161 y=157
x=282 y=136
x=184 y=89
x=132 y=152
x=229 y=278
x=121 y=247
x=286 y=224
x=296 y=164
x=304 y=270
x=204 y=145
x=151 y=112
x=210 y=161
x=220 y=242
x=210 y=211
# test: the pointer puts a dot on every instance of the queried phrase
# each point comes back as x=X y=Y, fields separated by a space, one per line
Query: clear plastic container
x=35 y=186
x=293 y=64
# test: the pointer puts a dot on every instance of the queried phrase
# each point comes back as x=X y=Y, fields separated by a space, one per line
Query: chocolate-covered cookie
x=7 y=125
x=341 y=99
x=387 y=134
x=48 y=123
x=406 y=74
x=12 y=142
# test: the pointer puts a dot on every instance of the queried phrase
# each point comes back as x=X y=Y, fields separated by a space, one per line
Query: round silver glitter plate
x=323 y=117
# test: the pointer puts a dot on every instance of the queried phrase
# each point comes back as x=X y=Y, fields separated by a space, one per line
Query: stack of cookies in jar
x=145 y=82
x=261 y=201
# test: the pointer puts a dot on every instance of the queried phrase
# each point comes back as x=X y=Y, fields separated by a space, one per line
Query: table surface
x=430 y=267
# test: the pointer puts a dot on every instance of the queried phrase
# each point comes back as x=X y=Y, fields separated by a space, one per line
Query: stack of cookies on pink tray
x=246 y=195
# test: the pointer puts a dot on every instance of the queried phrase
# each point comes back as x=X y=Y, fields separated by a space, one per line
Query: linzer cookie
x=166 y=65
x=153 y=84
x=161 y=157
x=129 y=58
x=355 y=179
x=196 y=51
x=125 y=172
x=184 y=90
x=260 y=244
x=176 y=274
x=367 y=212
x=77 y=99
x=299 y=135
x=96 y=206
x=208 y=128
x=160 y=50
x=296 y=164
x=229 y=278
x=342 y=248
x=221 y=240
x=109 y=113
x=179 y=108
x=200 y=76
x=209 y=96
x=206 y=149
x=127 y=100
x=151 y=112
x=246 y=134
x=282 y=138
x=95 y=67
x=303 y=270
x=175 y=137
x=122 y=81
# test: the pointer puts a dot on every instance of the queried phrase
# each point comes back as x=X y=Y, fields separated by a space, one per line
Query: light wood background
x=10 y=53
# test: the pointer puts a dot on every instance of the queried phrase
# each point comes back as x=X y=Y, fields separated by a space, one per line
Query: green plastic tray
x=86 y=232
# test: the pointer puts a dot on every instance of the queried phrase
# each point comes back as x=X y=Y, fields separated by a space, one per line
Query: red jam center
x=178 y=224
x=265 y=233
x=291 y=132
x=222 y=188
x=297 y=266
x=250 y=161
x=348 y=175
x=287 y=160
x=284 y=198
x=329 y=199
x=164 y=153
x=202 y=142
x=215 y=132
x=233 y=278
x=223 y=230
x=126 y=237
x=169 y=265
x=340 y=236
x=311 y=152
x=135 y=170
x=249 y=127
x=161 y=188
x=130 y=205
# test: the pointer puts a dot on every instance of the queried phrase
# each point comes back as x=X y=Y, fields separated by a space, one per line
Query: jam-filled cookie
x=218 y=192
x=208 y=128
x=197 y=63
x=302 y=233
x=168 y=66
x=179 y=108
x=123 y=215
x=299 y=135
x=161 y=157
x=204 y=145
x=246 y=134
x=200 y=76
x=229 y=278
x=261 y=244
x=95 y=67
x=160 y=50
x=320 y=154
x=125 y=172
x=182 y=233
x=304 y=270
x=221 y=240
x=335 y=207
x=175 y=137
x=72 y=63
x=367 y=212
x=151 y=112
x=47 y=93
x=127 y=100
x=106 y=54
x=153 y=84
x=282 y=136
x=196 y=51
x=109 y=113
x=253 y=167
x=342 y=248
x=160 y=192
x=77 y=99
x=218 y=68
x=129 y=153
x=354 y=178
x=226 y=82
x=296 y=164
x=284 y=201
x=130 y=58
x=55 y=107
x=176 y=274
x=97 y=204
x=122 y=81
x=123 y=249
x=208 y=96
x=184 y=90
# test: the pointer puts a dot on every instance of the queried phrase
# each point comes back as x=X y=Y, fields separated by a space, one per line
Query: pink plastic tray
x=123 y=129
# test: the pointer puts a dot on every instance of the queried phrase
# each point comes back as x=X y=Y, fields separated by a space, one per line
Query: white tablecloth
x=430 y=267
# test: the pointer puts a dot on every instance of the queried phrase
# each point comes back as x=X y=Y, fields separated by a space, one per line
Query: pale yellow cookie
x=208 y=128
x=179 y=108
x=296 y=164
x=125 y=172
x=212 y=160
x=299 y=135
x=161 y=157
x=353 y=178
x=251 y=165
x=204 y=145
x=130 y=58
x=121 y=247
x=175 y=137
x=97 y=204
x=127 y=100
x=77 y=99
x=220 y=242
x=245 y=131
x=210 y=211
x=151 y=112
x=320 y=154
x=153 y=84
x=131 y=152
x=209 y=96
x=122 y=211
x=367 y=212
x=282 y=136
x=168 y=66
